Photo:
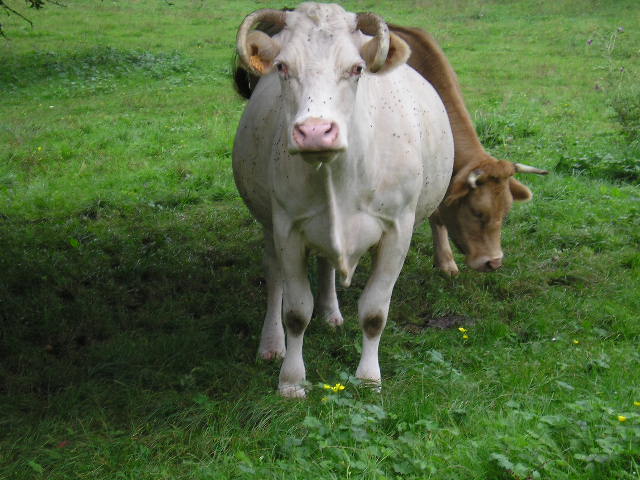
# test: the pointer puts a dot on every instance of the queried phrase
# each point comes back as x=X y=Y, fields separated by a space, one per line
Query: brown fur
x=489 y=170
x=428 y=59
x=472 y=211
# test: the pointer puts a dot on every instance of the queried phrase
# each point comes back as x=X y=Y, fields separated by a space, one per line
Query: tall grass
x=132 y=292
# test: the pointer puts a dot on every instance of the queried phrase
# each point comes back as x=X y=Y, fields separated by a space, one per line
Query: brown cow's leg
x=442 y=249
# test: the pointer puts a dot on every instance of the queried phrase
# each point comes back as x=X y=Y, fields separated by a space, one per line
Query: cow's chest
x=339 y=213
x=341 y=236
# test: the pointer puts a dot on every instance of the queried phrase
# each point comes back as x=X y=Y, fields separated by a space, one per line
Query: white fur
x=393 y=172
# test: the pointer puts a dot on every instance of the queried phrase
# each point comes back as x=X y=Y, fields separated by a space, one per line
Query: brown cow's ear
x=262 y=50
x=520 y=192
x=459 y=188
x=399 y=52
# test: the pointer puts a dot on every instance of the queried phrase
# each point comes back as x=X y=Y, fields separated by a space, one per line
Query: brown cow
x=482 y=188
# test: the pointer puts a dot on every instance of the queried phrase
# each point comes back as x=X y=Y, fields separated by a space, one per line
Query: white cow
x=341 y=148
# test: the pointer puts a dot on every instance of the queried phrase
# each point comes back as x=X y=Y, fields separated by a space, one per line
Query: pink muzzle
x=316 y=135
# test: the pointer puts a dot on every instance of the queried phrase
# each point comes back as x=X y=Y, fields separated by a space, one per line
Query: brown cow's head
x=479 y=199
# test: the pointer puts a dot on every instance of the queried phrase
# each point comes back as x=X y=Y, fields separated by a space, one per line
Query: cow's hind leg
x=327 y=307
x=373 y=305
x=272 y=344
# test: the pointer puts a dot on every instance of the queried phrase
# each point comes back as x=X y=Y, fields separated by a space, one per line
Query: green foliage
x=592 y=431
x=626 y=105
x=497 y=130
x=100 y=69
x=132 y=291
x=624 y=165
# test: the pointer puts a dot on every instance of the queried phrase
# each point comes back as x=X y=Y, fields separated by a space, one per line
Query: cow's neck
x=335 y=219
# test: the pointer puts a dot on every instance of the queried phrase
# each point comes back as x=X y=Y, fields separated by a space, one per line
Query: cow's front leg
x=443 y=255
x=327 y=306
x=373 y=305
x=297 y=309
x=272 y=343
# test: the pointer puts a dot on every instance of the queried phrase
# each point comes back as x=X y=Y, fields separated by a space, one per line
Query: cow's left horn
x=522 y=168
x=268 y=15
x=473 y=177
x=372 y=24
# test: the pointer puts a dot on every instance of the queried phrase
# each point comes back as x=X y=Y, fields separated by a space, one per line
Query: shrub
x=623 y=165
x=626 y=105
x=495 y=129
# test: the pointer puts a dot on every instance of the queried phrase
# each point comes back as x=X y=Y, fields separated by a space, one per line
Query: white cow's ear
x=519 y=191
x=262 y=49
x=399 y=52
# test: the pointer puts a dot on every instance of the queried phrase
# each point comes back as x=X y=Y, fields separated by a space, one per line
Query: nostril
x=329 y=129
x=494 y=264
x=298 y=130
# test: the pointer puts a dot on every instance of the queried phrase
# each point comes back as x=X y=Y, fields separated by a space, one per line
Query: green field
x=132 y=291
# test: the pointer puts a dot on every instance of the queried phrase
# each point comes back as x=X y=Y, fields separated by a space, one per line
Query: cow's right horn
x=372 y=24
x=522 y=168
x=267 y=15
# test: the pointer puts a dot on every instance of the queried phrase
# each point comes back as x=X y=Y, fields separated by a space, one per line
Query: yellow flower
x=336 y=388
x=637 y=404
x=39 y=148
x=462 y=329
x=622 y=418
x=465 y=336
x=576 y=342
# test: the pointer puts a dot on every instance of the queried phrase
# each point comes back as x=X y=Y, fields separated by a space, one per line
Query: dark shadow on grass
x=156 y=301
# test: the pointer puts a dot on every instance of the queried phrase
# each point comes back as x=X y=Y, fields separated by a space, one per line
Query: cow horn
x=372 y=24
x=277 y=17
x=522 y=168
x=473 y=177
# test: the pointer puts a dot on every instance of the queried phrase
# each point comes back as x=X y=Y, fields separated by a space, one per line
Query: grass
x=132 y=293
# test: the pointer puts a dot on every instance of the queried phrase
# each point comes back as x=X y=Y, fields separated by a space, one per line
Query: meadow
x=132 y=290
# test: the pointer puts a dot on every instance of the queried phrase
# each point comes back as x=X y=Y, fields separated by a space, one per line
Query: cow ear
x=520 y=192
x=262 y=50
x=399 y=52
x=459 y=188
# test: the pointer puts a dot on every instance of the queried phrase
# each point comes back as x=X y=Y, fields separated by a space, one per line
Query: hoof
x=272 y=350
x=374 y=385
x=449 y=269
x=290 y=390
x=270 y=355
x=330 y=314
x=334 y=320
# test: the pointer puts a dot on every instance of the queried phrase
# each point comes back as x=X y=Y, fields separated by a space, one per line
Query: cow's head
x=479 y=199
x=319 y=52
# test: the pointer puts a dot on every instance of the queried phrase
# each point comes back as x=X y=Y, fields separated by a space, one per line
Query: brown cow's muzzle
x=485 y=264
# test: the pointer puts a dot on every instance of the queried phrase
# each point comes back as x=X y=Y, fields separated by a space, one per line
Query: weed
x=626 y=104
x=132 y=293
x=623 y=165
x=498 y=129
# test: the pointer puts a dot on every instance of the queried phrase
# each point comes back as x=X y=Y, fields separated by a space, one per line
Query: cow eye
x=476 y=213
x=356 y=70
